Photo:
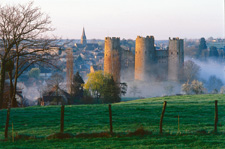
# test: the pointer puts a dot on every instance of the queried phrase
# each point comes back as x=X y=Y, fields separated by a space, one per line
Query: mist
x=209 y=68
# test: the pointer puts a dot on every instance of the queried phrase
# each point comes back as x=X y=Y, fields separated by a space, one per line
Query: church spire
x=83 y=38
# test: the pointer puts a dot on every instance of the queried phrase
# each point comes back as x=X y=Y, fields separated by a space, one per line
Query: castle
x=149 y=64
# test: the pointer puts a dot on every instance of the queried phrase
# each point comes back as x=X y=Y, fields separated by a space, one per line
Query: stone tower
x=175 y=59
x=69 y=69
x=83 y=38
x=112 y=57
x=144 y=57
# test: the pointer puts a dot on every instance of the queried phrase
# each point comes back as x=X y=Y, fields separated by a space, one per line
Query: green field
x=196 y=113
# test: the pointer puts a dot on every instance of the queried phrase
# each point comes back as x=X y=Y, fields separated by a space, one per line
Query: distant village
x=88 y=56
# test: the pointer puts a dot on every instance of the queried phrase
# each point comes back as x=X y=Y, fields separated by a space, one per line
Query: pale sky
x=129 y=18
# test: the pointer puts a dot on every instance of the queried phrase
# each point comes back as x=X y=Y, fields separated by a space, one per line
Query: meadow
x=196 y=124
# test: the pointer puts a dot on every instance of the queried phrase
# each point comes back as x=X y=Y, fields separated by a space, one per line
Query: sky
x=130 y=18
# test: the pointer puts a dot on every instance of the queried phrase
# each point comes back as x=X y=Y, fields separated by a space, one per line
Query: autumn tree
x=103 y=86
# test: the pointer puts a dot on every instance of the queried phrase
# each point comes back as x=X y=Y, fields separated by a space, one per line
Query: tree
x=96 y=82
x=102 y=86
x=202 y=46
x=169 y=89
x=22 y=27
x=222 y=90
x=213 y=52
x=187 y=88
x=191 y=71
x=214 y=84
x=134 y=90
x=34 y=73
x=111 y=91
x=77 y=90
x=55 y=81
x=197 y=87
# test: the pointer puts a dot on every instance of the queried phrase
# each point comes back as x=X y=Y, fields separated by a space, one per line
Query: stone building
x=112 y=57
x=149 y=64
x=158 y=65
x=175 y=59
x=127 y=65
x=144 y=57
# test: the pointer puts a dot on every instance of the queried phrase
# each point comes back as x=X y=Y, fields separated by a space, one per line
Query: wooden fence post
x=62 y=119
x=110 y=119
x=162 y=115
x=7 y=123
x=12 y=133
x=216 y=116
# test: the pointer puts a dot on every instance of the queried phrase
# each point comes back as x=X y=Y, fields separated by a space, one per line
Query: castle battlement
x=174 y=38
x=112 y=38
x=147 y=37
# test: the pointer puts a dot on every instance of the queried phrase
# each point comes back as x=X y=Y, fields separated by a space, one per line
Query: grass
x=196 y=114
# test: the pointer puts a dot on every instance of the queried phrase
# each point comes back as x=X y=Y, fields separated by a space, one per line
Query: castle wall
x=112 y=57
x=144 y=57
x=127 y=66
x=175 y=59
x=161 y=73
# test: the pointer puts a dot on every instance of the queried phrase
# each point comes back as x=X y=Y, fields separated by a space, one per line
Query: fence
x=116 y=118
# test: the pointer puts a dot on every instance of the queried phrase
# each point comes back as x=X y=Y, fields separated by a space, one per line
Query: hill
x=196 y=124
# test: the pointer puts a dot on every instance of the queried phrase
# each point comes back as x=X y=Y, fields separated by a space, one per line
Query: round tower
x=175 y=59
x=112 y=57
x=144 y=57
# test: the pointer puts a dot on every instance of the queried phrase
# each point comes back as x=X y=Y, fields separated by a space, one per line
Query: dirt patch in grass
x=23 y=137
x=139 y=132
x=60 y=136
x=202 y=132
x=94 y=135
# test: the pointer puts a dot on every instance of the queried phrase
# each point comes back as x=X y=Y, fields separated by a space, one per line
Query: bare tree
x=214 y=84
x=55 y=82
x=191 y=70
x=22 y=27
x=169 y=89
x=134 y=90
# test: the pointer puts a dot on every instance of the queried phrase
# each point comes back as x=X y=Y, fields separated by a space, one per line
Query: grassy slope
x=195 y=112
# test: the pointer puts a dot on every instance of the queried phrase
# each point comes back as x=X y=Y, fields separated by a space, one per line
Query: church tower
x=83 y=38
